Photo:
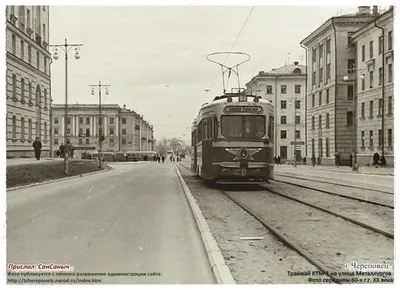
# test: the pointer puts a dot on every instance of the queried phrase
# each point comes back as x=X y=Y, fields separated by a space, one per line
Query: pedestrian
x=62 y=149
x=313 y=160
x=383 y=160
x=163 y=159
x=351 y=159
x=68 y=149
x=376 y=159
x=37 y=147
x=170 y=158
x=337 y=159
x=278 y=159
x=304 y=160
x=275 y=160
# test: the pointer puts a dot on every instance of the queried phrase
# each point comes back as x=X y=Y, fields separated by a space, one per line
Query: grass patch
x=18 y=175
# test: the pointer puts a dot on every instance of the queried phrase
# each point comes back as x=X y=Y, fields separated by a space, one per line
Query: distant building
x=285 y=88
x=330 y=57
x=375 y=63
x=121 y=128
x=27 y=79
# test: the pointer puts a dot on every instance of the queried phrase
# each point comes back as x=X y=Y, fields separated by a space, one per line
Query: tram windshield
x=243 y=126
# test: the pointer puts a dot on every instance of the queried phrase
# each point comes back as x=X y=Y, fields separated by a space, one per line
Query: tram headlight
x=229 y=99
x=243 y=153
x=255 y=100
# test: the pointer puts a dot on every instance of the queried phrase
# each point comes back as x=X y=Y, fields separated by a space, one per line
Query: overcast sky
x=154 y=57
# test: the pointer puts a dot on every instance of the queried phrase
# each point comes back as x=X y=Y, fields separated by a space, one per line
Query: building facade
x=120 y=127
x=27 y=79
x=285 y=88
x=374 y=81
x=330 y=57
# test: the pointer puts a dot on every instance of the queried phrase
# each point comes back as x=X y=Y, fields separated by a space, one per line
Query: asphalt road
x=133 y=219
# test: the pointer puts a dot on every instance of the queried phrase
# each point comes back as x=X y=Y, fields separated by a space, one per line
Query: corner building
x=330 y=57
x=375 y=62
x=285 y=88
x=27 y=80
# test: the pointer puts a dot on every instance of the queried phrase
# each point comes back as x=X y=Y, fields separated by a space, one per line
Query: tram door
x=207 y=147
x=194 y=147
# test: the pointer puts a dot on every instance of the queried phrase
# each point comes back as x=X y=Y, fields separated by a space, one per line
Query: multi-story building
x=285 y=88
x=374 y=81
x=27 y=79
x=330 y=57
x=120 y=127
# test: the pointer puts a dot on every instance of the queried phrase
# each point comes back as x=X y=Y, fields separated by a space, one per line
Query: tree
x=162 y=147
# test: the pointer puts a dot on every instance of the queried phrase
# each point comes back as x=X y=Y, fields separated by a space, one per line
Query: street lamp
x=66 y=47
x=353 y=81
x=101 y=136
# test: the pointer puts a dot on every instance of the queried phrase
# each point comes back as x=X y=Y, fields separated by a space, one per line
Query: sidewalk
x=344 y=169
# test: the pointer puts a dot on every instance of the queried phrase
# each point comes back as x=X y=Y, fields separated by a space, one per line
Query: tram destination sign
x=243 y=109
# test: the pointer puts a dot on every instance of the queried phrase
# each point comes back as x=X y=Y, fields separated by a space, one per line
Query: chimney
x=375 y=10
x=296 y=63
x=363 y=10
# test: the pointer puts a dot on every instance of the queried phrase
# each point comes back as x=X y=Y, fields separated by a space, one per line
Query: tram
x=233 y=139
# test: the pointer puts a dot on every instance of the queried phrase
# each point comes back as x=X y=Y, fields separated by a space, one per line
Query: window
x=45 y=64
x=298 y=134
x=390 y=73
x=269 y=90
x=321 y=74
x=314 y=55
x=313 y=100
x=80 y=141
x=123 y=131
x=350 y=92
x=320 y=153
x=297 y=89
x=80 y=132
x=111 y=141
x=350 y=65
x=321 y=50
x=363 y=53
x=362 y=139
x=283 y=119
x=56 y=120
x=111 y=131
x=23 y=90
x=14 y=92
x=80 y=120
x=283 y=104
x=363 y=84
x=123 y=120
x=312 y=146
x=314 y=78
x=123 y=141
x=44 y=31
x=283 y=152
x=14 y=45
x=55 y=131
x=313 y=123
x=390 y=40
x=362 y=110
x=371 y=79
x=87 y=141
x=380 y=107
x=22 y=50
x=38 y=60
x=327 y=147
x=243 y=126
x=111 y=121
x=380 y=76
x=297 y=104
x=297 y=120
x=327 y=120
x=328 y=46
x=68 y=120
x=22 y=129
x=379 y=138
x=320 y=122
x=390 y=138
x=350 y=118
x=271 y=128
x=45 y=132
x=283 y=89
x=30 y=93
x=14 y=127
x=55 y=141
x=390 y=106
x=328 y=72
x=327 y=96
x=87 y=132
x=29 y=130
x=320 y=98
x=28 y=14
x=283 y=134
x=68 y=131
x=371 y=109
x=380 y=47
x=29 y=54
x=371 y=49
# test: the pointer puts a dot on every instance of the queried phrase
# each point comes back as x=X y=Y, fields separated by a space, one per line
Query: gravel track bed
x=353 y=192
x=250 y=261
x=330 y=239
x=373 y=215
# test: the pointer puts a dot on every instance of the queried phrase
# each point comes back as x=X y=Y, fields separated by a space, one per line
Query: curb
x=217 y=261
x=59 y=179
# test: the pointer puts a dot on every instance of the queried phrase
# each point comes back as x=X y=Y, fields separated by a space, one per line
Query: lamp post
x=101 y=136
x=66 y=47
x=354 y=133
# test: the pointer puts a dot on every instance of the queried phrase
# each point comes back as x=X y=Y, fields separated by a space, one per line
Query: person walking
x=163 y=159
x=278 y=159
x=351 y=159
x=313 y=160
x=68 y=149
x=337 y=159
x=304 y=160
x=376 y=159
x=37 y=147
x=61 y=149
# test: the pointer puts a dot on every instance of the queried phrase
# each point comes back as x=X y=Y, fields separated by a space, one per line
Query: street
x=132 y=219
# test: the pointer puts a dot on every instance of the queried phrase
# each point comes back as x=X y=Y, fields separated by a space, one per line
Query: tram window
x=232 y=126
x=199 y=132
x=210 y=127
x=271 y=128
x=205 y=130
x=215 y=127
x=254 y=126
x=243 y=126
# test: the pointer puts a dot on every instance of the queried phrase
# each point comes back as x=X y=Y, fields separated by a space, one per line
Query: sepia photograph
x=191 y=143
